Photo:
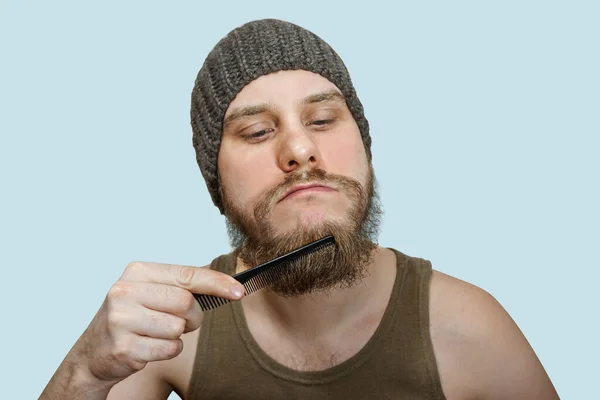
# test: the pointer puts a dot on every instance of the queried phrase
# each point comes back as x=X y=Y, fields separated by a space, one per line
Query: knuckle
x=115 y=319
x=134 y=268
x=158 y=351
x=175 y=347
x=186 y=301
x=136 y=365
x=157 y=320
x=122 y=350
x=120 y=290
x=194 y=323
x=185 y=276
x=178 y=327
x=168 y=325
x=125 y=354
x=169 y=349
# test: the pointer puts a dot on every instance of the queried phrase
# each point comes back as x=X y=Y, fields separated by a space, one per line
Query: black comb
x=264 y=274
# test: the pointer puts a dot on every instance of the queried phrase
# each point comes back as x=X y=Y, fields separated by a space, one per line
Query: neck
x=311 y=316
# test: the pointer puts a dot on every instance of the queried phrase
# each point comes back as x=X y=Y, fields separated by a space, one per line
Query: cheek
x=243 y=174
x=347 y=157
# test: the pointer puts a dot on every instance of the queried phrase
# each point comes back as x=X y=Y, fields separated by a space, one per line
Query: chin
x=312 y=219
x=309 y=213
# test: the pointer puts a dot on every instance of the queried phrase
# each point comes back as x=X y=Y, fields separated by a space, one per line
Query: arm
x=160 y=378
x=148 y=383
x=141 y=322
x=481 y=353
x=155 y=381
x=72 y=381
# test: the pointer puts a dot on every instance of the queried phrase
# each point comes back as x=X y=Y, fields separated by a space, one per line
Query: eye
x=258 y=134
x=320 y=123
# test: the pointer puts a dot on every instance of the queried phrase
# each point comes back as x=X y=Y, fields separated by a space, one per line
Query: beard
x=255 y=240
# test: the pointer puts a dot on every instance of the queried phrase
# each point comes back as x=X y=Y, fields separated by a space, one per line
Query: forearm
x=73 y=381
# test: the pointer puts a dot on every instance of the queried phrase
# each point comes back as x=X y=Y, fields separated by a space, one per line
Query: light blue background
x=485 y=124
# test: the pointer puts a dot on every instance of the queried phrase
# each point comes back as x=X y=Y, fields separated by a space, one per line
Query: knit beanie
x=254 y=49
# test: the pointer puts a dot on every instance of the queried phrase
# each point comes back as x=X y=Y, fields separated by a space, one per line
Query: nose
x=298 y=151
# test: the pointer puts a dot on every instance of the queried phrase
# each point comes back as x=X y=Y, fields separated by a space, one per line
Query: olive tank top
x=397 y=362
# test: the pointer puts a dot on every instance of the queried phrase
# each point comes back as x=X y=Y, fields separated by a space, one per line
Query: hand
x=145 y=313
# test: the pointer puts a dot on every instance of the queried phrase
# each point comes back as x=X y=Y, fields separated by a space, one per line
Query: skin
x=480 y=352
x=293 y=137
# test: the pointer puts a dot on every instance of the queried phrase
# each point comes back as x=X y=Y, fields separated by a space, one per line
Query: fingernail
x=237 y=290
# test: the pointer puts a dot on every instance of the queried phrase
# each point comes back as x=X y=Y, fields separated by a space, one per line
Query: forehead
x=281 y=88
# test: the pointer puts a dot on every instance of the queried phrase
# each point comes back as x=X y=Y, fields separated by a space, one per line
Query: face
x=293 y=168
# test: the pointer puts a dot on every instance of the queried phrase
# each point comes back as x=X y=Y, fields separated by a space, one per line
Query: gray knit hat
x=246 y=53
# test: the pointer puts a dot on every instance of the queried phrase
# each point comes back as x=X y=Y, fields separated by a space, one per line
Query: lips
x=298 y=188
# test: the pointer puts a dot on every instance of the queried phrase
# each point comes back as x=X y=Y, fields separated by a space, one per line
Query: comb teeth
x=267 y=277
x=265 y=274
x=208 y=302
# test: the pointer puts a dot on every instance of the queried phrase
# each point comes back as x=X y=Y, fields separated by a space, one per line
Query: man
x=284 y=147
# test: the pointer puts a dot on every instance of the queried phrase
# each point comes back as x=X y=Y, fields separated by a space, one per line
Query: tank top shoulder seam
x=425 y=332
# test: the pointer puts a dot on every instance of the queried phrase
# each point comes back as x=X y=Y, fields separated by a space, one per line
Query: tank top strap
x=411 y=335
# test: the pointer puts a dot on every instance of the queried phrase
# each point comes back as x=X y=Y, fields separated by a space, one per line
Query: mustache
x=319 y=176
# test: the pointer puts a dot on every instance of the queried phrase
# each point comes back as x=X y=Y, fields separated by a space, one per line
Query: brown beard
x=341 y=266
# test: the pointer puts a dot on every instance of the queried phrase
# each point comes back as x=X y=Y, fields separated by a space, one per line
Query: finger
x=171 y=300
x=139 y=350
x=195 y=279
x=146 y=322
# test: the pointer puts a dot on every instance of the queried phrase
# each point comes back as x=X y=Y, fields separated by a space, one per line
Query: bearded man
x=284 y=147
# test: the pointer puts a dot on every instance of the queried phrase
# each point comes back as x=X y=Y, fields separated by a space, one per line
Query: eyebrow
x=248 y=111
x=329 y=95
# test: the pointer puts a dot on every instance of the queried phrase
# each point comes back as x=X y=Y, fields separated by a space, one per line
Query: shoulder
x=480 y=351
